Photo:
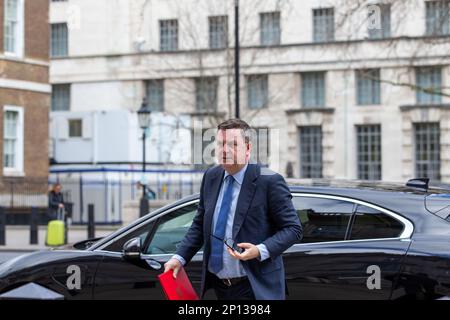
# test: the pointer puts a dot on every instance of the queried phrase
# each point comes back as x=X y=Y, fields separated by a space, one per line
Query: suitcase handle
x=60 y=214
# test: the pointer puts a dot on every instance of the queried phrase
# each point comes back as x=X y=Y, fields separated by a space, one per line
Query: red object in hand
x=179 y=288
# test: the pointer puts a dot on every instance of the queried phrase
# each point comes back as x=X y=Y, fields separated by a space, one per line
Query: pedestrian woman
x=55 y=201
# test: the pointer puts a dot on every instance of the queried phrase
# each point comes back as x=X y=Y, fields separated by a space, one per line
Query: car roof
x=407 y=201
x=394 y=187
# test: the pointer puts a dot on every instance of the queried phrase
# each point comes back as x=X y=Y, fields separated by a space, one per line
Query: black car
x=361 y=241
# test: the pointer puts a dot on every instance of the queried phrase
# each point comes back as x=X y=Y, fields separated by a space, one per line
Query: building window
x=13 y=32
x=313 y=89
x=155 y=95
x=368 y=86
x=270 y=28
x=323 y=24
x=429 y=85
x=427 y=150
x=311 y=152
x=59 y=40
x=218 y=32
x=260 y=145
x=168 y=35
x=75 y=128
x=61 y=97
x=206 y=94
x=369 y=152
x=257 y=91
x=13 y=143
x=437 y=17
x=382 y=26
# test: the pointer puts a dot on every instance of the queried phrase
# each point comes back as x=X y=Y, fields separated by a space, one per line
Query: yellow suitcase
x=55 y=233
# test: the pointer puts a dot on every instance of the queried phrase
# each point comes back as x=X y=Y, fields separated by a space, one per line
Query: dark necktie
x=216 y=262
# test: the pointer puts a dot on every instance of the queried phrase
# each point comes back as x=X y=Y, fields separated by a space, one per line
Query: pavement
x=18 y=237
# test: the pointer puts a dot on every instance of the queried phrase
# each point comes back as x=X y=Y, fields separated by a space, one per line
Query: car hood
x=40 y=261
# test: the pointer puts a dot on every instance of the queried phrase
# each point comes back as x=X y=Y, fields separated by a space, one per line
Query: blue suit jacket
x=264 y=214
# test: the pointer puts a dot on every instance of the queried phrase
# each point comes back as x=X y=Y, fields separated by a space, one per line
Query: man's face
x=231 y=148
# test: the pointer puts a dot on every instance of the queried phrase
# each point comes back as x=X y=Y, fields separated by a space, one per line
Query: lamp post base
x=143 y=207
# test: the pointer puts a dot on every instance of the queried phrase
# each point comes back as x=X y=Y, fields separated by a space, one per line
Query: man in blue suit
x=245 y=219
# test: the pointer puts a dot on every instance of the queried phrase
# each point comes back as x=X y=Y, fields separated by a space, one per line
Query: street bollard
x=2 y=226
x=91 y=222
x=34 y=226
x=66 y=230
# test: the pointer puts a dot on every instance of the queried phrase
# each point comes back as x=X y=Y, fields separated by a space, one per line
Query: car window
x=171 y=230
x=370 y=223
x=323 y=219
x=140 y=232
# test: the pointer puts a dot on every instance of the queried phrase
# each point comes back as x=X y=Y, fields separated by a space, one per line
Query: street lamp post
x=144 y=122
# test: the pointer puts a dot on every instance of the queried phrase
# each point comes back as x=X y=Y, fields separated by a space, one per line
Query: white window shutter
x=87 y=127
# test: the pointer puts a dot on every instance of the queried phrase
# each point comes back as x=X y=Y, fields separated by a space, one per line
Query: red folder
x=179 y=288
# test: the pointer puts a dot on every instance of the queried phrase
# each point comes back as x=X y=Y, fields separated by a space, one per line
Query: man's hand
x=173 y=264
x=251 y=251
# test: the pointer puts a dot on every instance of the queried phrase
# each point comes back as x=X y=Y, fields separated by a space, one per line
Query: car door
x=118 y=278
x=350 y=249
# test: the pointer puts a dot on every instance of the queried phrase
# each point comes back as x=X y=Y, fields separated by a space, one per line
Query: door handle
x=153 y=264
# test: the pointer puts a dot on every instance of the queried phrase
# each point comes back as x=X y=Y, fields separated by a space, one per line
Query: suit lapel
x=214 y=188
x=246 y=194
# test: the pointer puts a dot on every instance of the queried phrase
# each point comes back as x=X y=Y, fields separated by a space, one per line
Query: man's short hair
x=236 y=124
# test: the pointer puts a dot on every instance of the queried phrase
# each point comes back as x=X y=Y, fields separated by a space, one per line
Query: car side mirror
x=132 y=249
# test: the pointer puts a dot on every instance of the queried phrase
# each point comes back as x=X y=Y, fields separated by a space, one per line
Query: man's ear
x=249 y=148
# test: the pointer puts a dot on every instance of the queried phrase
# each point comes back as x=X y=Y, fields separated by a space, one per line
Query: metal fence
x=23 y=193
x=110 y=189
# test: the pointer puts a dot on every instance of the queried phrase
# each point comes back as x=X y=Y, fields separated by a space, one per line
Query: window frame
x=385 y=19
x=172 y=30
x=369 y=133
x=206 y=88
x=218 y=30
x=309 y=81
x=63 y=88
x=19 y=34
x=257 y=87
x=18 y=169
x=407 y=230
x=354 y=220
x=72 y=120
x=155 y=87
x=153 y=219
x=58 y=47
x=364 y=79
x=270 y=28
x=416 y=157
x=328 y=35
x=428 y=72
x=312 y=164
x=434 y=10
